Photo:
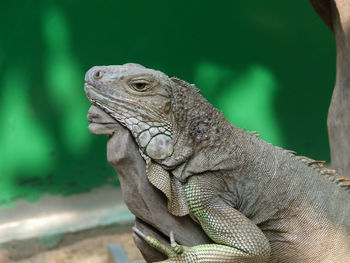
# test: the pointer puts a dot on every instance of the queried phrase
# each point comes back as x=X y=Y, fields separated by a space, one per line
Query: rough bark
x=147 y=203
x=336 y=14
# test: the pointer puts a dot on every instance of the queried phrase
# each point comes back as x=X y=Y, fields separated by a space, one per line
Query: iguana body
x=257 y=202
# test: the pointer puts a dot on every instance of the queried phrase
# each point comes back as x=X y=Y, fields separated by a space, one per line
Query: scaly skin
x=257 y=202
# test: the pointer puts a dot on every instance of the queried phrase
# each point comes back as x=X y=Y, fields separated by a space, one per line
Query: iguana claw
x=178 y=249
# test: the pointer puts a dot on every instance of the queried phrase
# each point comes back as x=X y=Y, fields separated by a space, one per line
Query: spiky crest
x=332 y=175
x=185 y=84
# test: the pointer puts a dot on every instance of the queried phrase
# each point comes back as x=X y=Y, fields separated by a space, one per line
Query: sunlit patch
x=64 y=82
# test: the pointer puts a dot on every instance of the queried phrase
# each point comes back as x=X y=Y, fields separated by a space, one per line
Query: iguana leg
x=209 y=253
x=238 y=238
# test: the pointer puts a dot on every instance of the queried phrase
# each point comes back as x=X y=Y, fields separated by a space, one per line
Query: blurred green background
x=268 y=65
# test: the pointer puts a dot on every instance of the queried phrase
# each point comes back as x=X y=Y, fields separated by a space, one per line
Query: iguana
x=256 y=201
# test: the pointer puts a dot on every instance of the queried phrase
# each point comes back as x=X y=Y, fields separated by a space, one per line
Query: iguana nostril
x=98 y=74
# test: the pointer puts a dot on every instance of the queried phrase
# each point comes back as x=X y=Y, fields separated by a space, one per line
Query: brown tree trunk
x=336 y=14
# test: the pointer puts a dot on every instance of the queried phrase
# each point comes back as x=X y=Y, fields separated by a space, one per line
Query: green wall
x=268 y=65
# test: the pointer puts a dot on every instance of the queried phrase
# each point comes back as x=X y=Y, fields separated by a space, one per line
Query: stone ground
x=89 y=249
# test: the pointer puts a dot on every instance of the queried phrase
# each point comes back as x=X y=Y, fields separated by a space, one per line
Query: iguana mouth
x=101 y=123
x=99 y=100
x=89 y=89
x=114 y=103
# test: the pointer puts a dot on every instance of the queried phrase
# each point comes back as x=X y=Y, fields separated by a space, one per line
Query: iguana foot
x=178 y=253
x=206 y=253
x=153 y=242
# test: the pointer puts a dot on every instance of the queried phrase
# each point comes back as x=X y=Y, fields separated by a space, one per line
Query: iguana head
x=139 y=98
x=168 y=117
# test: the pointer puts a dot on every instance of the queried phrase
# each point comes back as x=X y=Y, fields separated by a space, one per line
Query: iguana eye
x=98 y=74
x=140 y=85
